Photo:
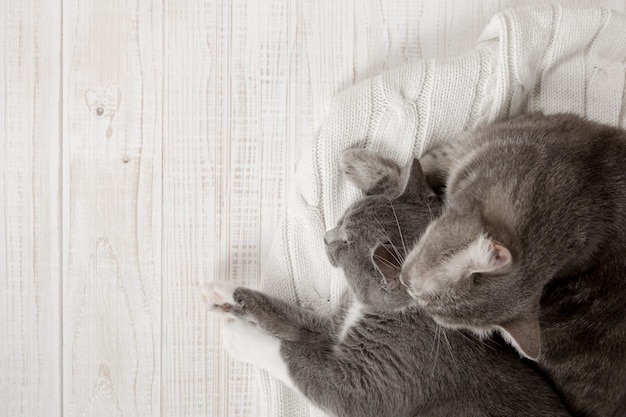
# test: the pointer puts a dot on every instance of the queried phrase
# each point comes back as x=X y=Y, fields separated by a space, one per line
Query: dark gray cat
x=532 y=243
x=377 y=356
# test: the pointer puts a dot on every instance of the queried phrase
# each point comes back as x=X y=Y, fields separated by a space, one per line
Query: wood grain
x=211 y=198
x=187 y=362
x=112 y=208
x=30 y=204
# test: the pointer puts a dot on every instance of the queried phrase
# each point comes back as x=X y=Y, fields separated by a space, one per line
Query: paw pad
x=218 y=296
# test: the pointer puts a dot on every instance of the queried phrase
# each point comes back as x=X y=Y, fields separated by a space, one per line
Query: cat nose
x=334 y=235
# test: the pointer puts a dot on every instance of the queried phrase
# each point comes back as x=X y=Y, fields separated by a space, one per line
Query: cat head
x=464 y=273
x=371 y=239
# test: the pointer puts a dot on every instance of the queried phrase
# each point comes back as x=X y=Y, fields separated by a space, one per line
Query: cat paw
x=218 y=297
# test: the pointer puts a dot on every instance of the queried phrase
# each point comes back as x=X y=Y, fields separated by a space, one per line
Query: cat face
x=352 y=245
x=464 y=277
x=371 y=240
x=455 y=260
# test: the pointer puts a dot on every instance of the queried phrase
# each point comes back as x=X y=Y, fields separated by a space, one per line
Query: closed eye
x=448 y=253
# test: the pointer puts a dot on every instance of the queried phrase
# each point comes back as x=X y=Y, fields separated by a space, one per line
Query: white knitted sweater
x=554 y=59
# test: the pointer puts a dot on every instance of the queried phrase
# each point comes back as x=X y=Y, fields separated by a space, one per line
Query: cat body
x=532 y=242
x=377 y=355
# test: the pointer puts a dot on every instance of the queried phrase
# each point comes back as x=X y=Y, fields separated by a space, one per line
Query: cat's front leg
x=247 y=343
x=274 y=316
x=229 y=300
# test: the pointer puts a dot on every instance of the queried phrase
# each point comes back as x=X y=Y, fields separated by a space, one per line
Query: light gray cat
x=532 y=243
x=377 y=356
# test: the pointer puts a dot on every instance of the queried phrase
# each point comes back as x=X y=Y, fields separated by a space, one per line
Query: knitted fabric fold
x=554 y=59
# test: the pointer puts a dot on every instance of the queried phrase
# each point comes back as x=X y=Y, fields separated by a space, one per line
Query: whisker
x=385 y=261
x=398 y=224
x=383 y=230
x=436 y=342
x=433 y=345
x=397 y=255
x=475 y=340
x=449 y=348
x=431 y=216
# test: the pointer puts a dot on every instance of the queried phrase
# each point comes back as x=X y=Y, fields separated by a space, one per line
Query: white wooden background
x=146 y=146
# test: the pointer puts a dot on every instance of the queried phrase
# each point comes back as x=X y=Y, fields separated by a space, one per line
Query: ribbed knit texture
x=554 y=59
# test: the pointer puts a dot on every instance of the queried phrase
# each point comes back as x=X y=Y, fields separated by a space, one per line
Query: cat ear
x=387 y=261
x=524 y=334
x=412 y=181
x=490 y=257
x=370 y=171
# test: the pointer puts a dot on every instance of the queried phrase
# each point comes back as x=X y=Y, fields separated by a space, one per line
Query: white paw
x=218 y=296
x=246 y=343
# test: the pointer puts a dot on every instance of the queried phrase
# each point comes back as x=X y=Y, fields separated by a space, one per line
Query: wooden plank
x=206 y=143
x=30 y=267
x=112 y=208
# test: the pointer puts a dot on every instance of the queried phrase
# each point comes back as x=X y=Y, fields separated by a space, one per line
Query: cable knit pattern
x=554 y=59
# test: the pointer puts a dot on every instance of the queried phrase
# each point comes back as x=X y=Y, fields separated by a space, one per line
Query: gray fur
x=394 y=361
x=374 y=174
x=549 y=194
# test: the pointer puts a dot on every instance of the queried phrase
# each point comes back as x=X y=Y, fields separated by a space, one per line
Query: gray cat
x=532 y=243
x=378 y=356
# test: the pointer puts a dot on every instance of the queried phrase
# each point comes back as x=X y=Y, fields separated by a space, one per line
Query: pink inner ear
x=493 y=258
x=500 y=257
